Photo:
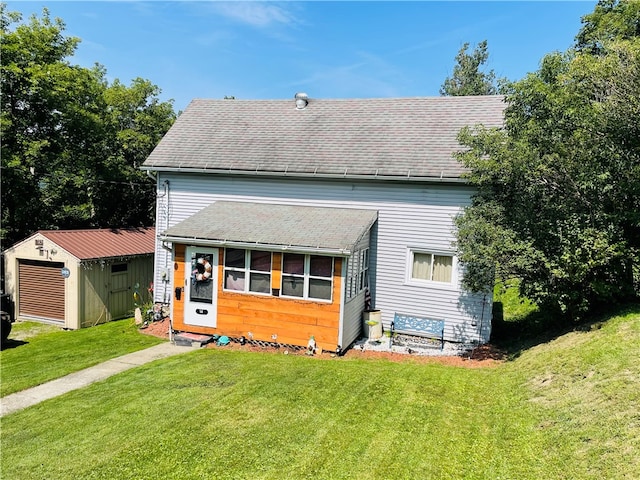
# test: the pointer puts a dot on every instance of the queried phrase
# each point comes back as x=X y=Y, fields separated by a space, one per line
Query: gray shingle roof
x=388 y=137
x=275 y=227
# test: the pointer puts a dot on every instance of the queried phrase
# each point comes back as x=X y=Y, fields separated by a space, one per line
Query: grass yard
x=36 y=353
x=565 y=409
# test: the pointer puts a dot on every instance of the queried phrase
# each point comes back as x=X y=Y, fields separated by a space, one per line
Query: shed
x=80 y=278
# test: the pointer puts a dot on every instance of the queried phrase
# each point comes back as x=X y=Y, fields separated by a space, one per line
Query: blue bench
x=421 y=326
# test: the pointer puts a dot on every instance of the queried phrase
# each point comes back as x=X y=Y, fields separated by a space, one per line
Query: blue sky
x=271 y=50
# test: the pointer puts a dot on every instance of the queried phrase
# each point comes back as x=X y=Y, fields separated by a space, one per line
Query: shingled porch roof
x=275 y=227
x=388 y=138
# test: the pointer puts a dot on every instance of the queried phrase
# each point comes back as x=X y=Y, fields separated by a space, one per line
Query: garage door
x=41 y=290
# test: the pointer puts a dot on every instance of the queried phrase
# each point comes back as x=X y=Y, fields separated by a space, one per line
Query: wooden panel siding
x=92 y=300
x=177 y=306
x=276 y=271
x=410 y=215
x=107 y=296
x=293 y=321
x=265 y=316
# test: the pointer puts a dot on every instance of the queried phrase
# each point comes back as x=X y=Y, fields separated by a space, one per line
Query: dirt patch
x=480 y=357
x=157 y=329
x=487 y=352
x=20 y=332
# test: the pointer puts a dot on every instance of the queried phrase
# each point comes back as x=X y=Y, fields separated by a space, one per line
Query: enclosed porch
x=283 y=274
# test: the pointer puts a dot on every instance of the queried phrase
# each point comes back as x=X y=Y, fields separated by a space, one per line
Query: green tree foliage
x=134 y=123
x=71 y=143
x=558 y=202
x=467 y=78
x=610 y=20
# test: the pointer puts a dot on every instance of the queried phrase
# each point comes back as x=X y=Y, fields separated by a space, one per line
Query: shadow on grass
x=514 y=336
x=10 y=343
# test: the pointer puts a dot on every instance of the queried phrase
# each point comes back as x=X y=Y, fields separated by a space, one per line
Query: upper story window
x=307 y=276
x=430 y=267
x=247 y=270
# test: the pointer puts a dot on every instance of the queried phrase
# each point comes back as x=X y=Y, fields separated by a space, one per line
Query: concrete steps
x=191 y=339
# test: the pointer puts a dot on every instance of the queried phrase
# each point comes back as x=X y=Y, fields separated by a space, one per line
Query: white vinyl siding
x=410 y=215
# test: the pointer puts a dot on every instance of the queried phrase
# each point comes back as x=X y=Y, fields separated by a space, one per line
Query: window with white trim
x=363 y=269
x=307 y=276
x=357 y=272
x=430 y=267
x=247 y=270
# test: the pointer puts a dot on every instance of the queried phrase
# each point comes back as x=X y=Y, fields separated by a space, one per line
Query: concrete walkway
x=31 y=396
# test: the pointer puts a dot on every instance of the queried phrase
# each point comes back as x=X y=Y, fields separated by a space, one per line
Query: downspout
x=166 y=279
x=155 y=179
x=165 y=275
x=343 y=296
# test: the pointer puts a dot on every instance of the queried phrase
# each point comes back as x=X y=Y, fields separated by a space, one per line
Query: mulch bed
x=481 y=357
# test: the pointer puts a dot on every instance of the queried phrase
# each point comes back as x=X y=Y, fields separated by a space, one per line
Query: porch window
x=307 y=276
x=247 y=270
x=357 y=273
x=363 y=269
x=431 y=267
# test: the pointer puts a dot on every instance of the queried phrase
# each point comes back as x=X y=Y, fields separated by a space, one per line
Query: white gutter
x=336 y=252
x=399 y=178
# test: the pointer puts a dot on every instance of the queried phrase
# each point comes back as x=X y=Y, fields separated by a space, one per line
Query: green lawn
x=36 y=352
x=565 y=409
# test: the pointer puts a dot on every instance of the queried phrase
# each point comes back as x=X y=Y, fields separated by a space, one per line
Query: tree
x=467 y=79
x=135 y=121
x=610 y=20
x=33 y=116
x=558 y=202
x=68 y=137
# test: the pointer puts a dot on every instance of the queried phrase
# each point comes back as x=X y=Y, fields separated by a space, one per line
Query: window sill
x=283 y=297
x=240 y=292
x=431 y=285
x=310 y=300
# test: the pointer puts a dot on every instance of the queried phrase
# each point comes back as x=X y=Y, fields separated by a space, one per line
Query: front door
x=201 y=279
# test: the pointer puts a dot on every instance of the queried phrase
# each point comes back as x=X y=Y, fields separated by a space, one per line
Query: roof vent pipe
x=302 y=100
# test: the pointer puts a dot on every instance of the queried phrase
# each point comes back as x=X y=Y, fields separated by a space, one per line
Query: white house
x=274 y=217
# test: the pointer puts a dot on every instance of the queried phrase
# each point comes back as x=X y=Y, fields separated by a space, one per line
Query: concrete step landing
x=191 y=339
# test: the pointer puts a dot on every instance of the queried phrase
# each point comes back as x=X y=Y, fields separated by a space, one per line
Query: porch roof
x=275 y=227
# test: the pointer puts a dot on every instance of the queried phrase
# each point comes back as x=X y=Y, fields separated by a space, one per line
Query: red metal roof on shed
x=104 y=243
